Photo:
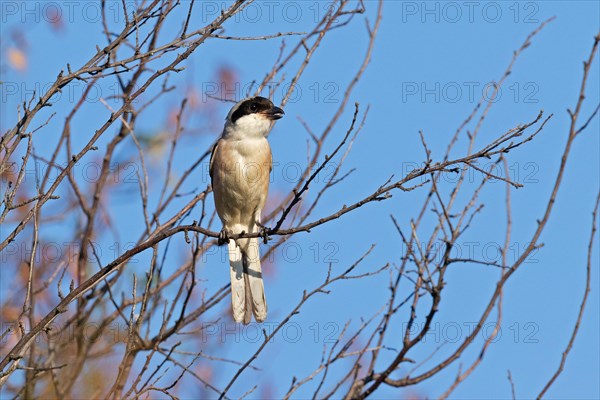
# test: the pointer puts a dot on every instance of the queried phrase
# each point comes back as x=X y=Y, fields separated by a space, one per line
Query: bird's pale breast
x=240 y=179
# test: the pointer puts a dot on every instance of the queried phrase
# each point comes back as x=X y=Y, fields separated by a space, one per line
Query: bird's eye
x=253 y=107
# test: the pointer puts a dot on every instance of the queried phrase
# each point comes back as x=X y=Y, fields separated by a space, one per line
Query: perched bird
x=240 y=167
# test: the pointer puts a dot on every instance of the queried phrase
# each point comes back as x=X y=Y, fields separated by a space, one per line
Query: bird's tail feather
x=247 y=288
x=255 y=281
x=238 y=281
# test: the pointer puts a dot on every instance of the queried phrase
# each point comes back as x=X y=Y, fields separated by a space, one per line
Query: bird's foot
x=264 y=232
x=223 y=237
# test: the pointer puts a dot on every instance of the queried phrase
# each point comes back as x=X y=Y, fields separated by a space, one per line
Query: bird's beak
x=274 y=113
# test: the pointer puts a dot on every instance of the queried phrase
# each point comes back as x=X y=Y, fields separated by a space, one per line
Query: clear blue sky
x=430 y=64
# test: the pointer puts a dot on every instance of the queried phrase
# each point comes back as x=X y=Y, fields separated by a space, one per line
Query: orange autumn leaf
x=193 y=97
x=17 y=59
x=227 y=76
x=54 y=17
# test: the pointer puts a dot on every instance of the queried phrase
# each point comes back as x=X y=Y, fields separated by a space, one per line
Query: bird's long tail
x=247 y=289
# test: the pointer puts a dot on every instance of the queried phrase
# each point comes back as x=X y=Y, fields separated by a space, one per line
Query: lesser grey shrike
x=240 y=167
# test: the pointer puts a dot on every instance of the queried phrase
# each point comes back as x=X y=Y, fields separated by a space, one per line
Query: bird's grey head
x=251 y=117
